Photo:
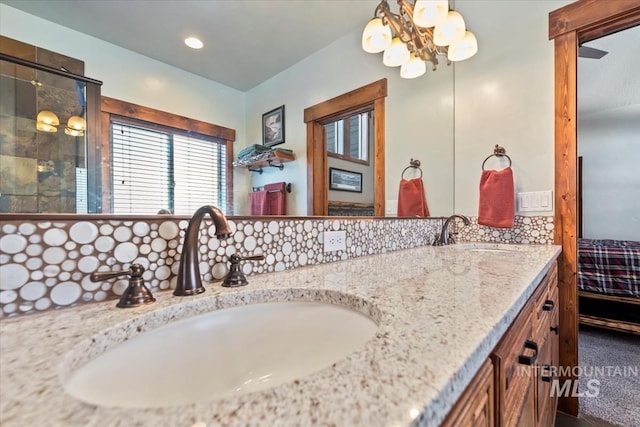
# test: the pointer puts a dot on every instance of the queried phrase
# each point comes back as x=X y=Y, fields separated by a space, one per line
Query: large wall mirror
x=416 y=120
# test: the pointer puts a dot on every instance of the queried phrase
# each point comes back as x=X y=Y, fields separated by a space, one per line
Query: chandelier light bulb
x=464 y=48
x=397 y=54
x=449 y=31
x=414 y=68
x=429 y=13
x=76 y=123
x=376 y=36
x=47 y=121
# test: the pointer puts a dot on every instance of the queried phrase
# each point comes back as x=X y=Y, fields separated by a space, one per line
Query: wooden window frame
x=110 y=106
x=371 y=95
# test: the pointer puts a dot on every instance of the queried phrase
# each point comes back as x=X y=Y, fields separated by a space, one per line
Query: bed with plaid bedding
x=610 y=267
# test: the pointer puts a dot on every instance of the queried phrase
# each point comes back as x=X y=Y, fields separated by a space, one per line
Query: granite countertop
x=440 y=312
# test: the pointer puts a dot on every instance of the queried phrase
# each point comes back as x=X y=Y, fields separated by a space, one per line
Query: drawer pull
x=529 y=360
x=546 y=378
x=554 y=329
x=548 y=305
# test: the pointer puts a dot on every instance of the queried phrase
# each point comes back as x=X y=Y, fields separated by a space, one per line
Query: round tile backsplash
x=47 y=264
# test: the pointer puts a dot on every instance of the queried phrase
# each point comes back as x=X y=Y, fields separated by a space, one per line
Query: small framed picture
x=273 y=127
x=343 y=180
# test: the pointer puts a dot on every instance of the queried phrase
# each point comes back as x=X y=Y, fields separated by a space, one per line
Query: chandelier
x=418 y=34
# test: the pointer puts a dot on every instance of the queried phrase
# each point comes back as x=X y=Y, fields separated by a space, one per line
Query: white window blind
x=199 y=173
x=153 y=169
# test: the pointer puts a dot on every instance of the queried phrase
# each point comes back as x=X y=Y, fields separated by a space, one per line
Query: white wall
x=504 y=95
x=609 y=143
x=419 y=117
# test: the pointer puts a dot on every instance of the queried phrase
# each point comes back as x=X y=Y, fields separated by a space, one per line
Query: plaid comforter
x=609 y=267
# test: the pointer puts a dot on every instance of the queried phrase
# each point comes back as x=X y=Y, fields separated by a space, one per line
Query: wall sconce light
x=418 y=33
x=75 y=126
x=47 y=121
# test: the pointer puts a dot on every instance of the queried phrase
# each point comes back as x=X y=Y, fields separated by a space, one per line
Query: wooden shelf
x=275 y=160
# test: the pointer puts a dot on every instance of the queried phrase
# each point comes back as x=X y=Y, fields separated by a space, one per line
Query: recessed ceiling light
x=193 y=43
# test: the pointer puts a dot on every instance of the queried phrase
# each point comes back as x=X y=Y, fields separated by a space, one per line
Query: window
x=156 y=168
x=349 y=138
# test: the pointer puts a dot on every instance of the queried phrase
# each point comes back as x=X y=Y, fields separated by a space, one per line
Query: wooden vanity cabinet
x=475 y=408
x=513 y=387
x=524 y=360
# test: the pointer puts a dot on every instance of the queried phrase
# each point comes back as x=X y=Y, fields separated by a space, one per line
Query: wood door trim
x=583 y=14
x=315 y=116
x=568 y=26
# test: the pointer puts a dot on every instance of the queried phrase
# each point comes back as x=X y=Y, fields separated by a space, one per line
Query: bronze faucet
x=189 y=281
x=443 y=238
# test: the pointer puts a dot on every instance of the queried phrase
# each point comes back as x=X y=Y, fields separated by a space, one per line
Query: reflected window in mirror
x=349 y=138
x=158 y=168
x=157 y=161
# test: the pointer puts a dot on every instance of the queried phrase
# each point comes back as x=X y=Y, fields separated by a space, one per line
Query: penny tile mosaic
x=46 y=265
x=537 y=230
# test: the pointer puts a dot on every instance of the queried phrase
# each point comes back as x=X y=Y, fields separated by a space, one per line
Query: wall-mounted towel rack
x=498 y=151
x=287 y=187
x=413 y=164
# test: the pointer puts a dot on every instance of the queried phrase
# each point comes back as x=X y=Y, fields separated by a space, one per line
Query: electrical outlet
x=335 y=241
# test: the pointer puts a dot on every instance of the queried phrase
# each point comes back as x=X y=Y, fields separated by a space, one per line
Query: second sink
x=220 y=354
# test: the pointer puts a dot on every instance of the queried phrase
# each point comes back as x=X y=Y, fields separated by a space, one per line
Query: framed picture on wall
x=344 y=180
x=273 y=127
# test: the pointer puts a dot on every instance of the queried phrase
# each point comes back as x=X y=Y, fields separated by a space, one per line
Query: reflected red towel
x=277 y=198
x=258 y=203
x=411 y=198
x=497 y=207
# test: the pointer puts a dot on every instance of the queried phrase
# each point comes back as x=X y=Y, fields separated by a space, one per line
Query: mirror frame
x=569 y=26
x=316 y=116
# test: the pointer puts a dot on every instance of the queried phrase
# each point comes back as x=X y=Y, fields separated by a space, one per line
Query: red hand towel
x=497 y=207
x=411 y=199
x=277 y=198
x=258 y=203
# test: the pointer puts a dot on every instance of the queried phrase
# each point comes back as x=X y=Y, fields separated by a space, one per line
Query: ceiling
x=245 y=41
x=611 y=82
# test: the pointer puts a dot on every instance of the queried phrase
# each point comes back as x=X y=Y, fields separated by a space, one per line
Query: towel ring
x=498 y=151
x=413 y=164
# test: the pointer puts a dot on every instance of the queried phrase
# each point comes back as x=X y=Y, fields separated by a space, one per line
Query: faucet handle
x=236 y=277
x=136 y=293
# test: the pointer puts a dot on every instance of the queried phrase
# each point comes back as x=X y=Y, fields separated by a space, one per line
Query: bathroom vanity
x=452 y=324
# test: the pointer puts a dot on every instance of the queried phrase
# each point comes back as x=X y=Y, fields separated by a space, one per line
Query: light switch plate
x=335 y=241
x=535 y=201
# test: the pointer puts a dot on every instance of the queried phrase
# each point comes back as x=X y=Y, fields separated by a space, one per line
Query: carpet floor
x=611 y=361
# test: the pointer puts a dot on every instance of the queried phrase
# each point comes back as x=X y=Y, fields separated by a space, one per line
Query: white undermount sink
x=222 y=353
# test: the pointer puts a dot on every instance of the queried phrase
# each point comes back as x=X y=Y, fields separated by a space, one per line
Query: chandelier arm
x=395 y=21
